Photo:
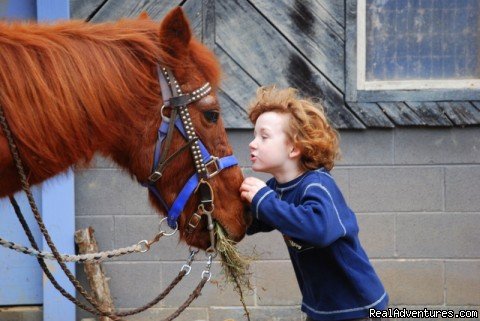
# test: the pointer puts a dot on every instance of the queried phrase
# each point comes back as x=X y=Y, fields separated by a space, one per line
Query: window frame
x=357 y=89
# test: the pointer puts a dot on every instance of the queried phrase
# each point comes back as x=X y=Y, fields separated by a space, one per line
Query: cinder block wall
x=416 y=195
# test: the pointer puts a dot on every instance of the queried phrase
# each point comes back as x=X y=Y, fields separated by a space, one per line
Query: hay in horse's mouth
x=235 y=265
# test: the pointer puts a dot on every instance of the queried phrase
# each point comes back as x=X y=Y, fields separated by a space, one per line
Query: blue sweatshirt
x=335 y=276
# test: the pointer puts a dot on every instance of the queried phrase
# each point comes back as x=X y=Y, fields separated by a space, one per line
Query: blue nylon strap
x=187 y=191
x=162 y=133
x=182 y=198
x=227 y=161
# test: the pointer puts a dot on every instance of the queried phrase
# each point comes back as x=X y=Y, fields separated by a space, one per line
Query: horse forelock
x=206 y=62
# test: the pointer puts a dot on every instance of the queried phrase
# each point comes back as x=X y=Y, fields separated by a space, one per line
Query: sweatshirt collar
x=290 y=184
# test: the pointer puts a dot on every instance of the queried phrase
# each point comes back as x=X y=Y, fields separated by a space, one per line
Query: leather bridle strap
x=177 y=101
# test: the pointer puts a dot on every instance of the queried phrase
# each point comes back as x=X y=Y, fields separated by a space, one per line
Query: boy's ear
x=295 y=152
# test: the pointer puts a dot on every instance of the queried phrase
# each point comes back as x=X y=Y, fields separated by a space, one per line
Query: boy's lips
x=253 y=157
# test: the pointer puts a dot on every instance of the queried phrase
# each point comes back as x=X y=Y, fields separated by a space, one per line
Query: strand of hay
x=235 y=266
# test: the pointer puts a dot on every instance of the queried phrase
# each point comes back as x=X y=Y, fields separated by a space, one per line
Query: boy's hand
x=250 y=187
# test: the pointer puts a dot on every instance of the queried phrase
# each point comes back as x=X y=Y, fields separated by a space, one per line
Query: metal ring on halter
x=186 y=268
x=144 y=245
x=164 y=118
x=192 y=250
x=165 y=233
x=211 y=251
x=192 y=254
x=204 y=273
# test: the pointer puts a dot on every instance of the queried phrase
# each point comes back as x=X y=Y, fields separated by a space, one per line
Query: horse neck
x=132 y=145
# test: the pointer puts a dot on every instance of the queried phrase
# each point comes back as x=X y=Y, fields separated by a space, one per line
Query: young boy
x=295 y=143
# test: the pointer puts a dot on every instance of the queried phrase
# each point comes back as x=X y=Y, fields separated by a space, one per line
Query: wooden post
x=96 y=277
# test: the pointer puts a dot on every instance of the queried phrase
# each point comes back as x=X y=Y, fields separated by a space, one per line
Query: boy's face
x=270 y=149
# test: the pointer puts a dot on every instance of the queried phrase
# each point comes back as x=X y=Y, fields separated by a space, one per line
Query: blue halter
x=203 y=160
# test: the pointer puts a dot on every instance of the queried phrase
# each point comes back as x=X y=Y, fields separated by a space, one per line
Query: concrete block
x=109 y=192
x=99 y=192
x=396 y=189
x=99 y=161
x=462 y=282
x=446 y=235
x=239 y=140
x=276 y=283
x=104 y=229
x=377 y=234
x=133 y=284
x=341 y=177
x=215 y=292
x=412 y=282
x=437 y=146
x=369 y=147
x=265 y=246
x=462 y=186
x=257 y=314
x=156 y=314
x=130 y=230
x=137 y=201
x=190 y=314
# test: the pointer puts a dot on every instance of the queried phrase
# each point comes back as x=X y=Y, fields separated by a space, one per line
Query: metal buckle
x=195 y=224
x=155 y=176
x=214 y=161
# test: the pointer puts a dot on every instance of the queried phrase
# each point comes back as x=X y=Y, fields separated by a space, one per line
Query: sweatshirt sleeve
x=315 y=220
x=257 y=225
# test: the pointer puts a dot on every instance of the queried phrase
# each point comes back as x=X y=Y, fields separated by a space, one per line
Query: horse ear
x=143 y=16
x=175 y=30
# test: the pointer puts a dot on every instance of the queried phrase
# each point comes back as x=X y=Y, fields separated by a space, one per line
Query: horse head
x=194 y=67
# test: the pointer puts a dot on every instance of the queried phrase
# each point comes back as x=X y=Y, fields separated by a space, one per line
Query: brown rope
x=195 y=294
x=41 y=261
x=160 y=297
x=98 y=311
x=38 y=218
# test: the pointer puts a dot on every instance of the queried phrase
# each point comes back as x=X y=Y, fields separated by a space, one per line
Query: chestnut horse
x=72 y=89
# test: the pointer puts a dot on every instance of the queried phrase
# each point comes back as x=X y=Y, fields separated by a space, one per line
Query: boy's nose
x=252 y=144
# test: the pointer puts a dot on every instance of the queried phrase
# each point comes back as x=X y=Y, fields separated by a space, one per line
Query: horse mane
x=77 y=86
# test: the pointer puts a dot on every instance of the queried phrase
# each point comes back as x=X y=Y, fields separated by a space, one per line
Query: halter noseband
x=206 y=165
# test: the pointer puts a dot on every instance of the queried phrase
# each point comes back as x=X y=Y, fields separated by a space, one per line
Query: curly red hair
x=309 y=128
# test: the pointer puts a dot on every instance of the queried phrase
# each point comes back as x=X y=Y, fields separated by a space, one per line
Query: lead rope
x=98 y=311
x=141 y=247
x=44 y=267
x=38 y=218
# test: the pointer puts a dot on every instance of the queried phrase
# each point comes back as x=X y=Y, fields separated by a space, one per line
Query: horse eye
x=211 y=115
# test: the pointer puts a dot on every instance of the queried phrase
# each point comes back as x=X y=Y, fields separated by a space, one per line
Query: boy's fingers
x=243 y=187
x=244 y=195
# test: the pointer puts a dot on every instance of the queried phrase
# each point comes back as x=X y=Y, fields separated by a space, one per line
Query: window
x=420 y=49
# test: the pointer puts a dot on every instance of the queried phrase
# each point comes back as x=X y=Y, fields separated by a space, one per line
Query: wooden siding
x=301 y=44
